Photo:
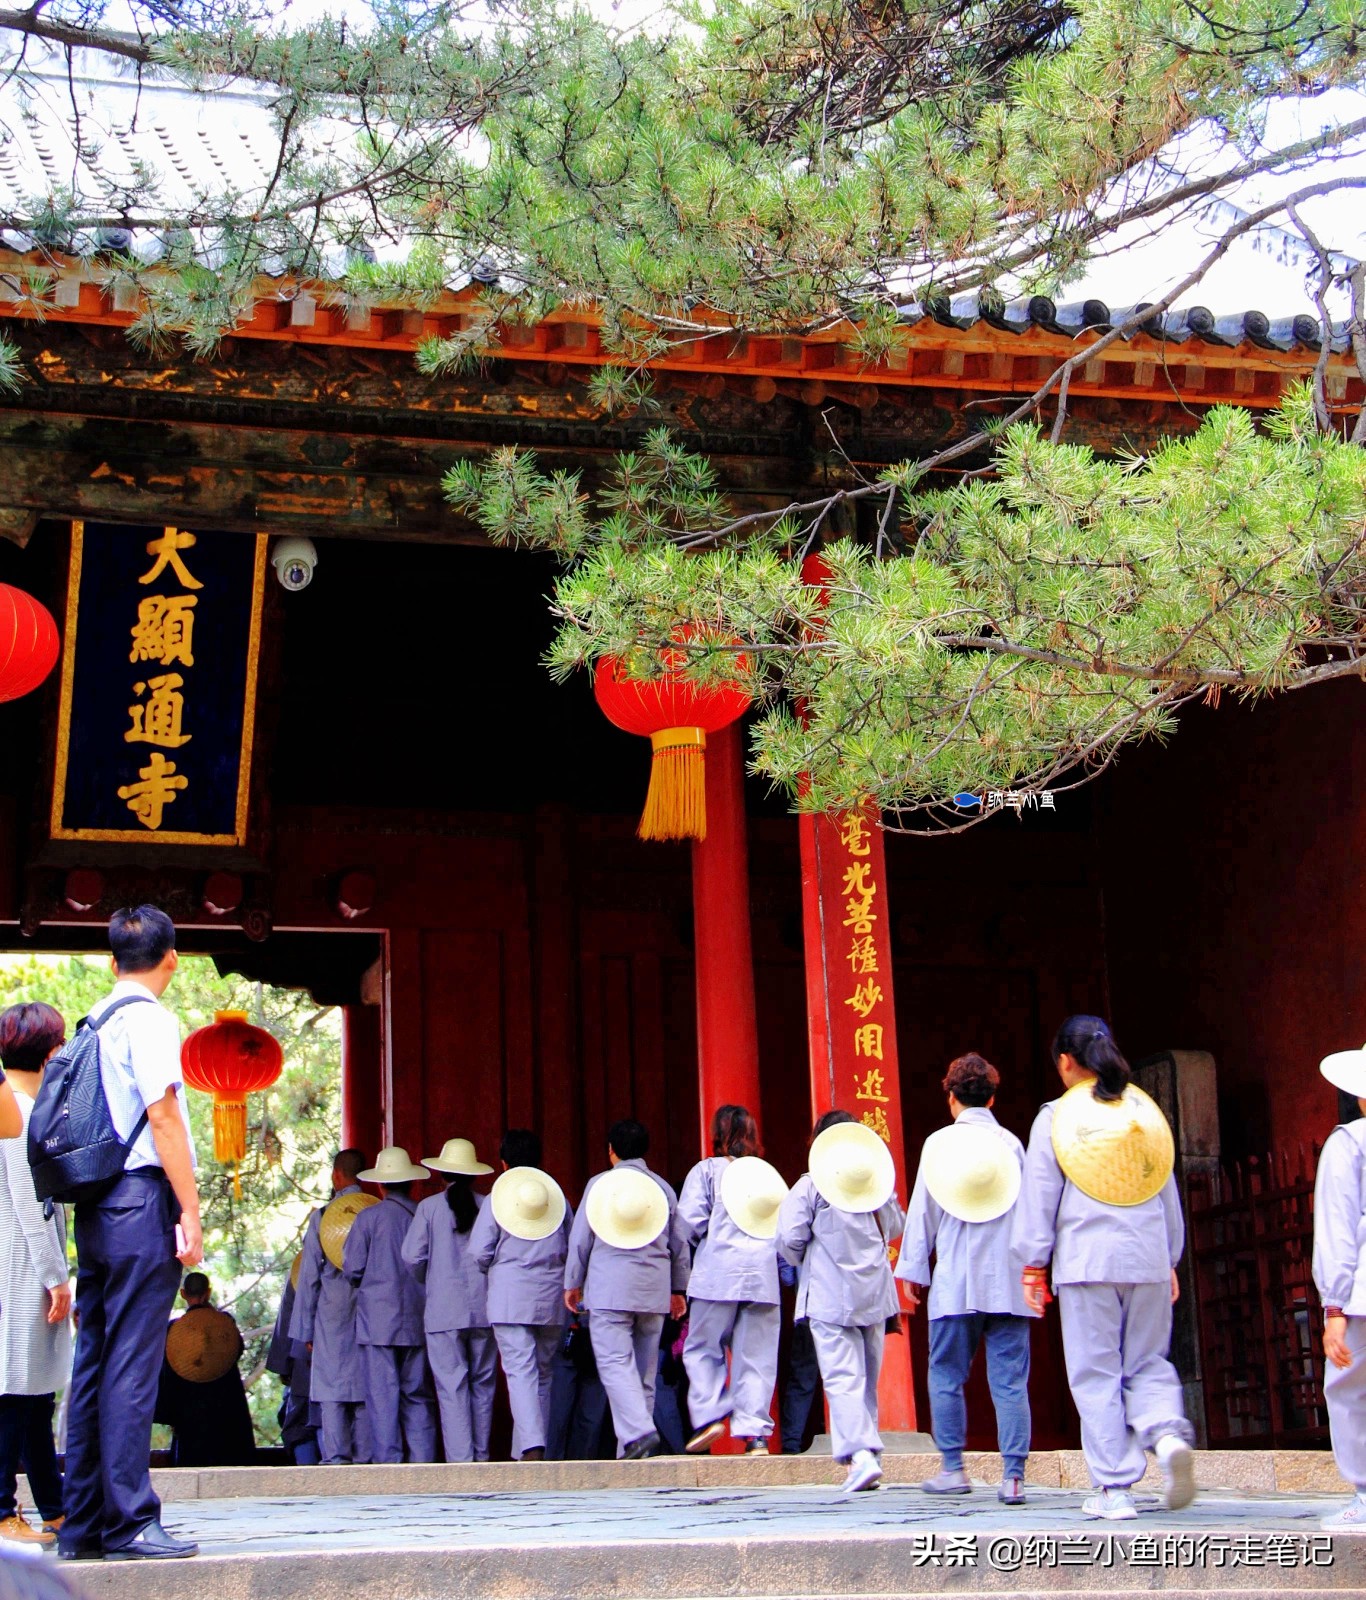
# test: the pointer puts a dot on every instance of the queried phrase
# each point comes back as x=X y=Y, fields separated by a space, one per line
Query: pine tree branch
x=32 y=24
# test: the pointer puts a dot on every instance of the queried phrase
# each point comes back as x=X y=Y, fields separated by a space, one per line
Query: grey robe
x=845 y=1277
x=973 y=1270
x=389 y=1299
x=525 y=1276
x=639 y=1281
x=444 y=1262
x=325 y=1317
x=729 y=1264
x=1340 y=1220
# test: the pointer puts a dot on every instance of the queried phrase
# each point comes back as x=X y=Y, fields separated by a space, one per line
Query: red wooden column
x=727 y=1034
x=362 y=1079
x=851 y=1017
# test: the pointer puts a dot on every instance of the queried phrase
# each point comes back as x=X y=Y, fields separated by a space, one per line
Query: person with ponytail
x=734 y=1300
x=460 y=1346
x=1114 y=1274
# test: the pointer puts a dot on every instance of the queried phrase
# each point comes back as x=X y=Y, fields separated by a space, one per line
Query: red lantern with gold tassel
x=677 y=715
x=28 y=643
x=230 y=1059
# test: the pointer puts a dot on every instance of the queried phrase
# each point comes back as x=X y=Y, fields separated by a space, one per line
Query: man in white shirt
x=130 y=1244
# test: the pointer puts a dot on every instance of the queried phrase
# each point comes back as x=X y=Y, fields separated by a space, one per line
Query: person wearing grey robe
x=1114 y=1274
x=975 y=1298
x=846 y=1291
x=292 y=1363
x=525 y=1279
x=627 y=1295
x=733 y=1300
x=389 y=1312
x=324 y=1322
x=1340 y=1278
x=439 y=1251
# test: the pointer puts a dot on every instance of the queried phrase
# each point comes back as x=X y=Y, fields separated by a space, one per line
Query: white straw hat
x=971 y=1172
x=752 y=1191
x=852 y=1168
x=457 y=1156
x=528 y=1203
x=392 y=1166
x=1119 y=1152
x=1346 y=1070
x=627 y=1208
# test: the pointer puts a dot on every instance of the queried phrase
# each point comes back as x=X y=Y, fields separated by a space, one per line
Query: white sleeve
x=154 y=1044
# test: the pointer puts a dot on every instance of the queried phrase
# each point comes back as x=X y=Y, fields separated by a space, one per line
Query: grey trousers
x=1345 y=1393
x=1115 y=1337
x=464 y=1365
x=398 y=1402
x=528 y=1355
x=345 y=1432
x=626 y=1349
x=749 y=1333
x=850 y=1361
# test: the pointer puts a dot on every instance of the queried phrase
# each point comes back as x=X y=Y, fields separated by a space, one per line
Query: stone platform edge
x=1244 y=1471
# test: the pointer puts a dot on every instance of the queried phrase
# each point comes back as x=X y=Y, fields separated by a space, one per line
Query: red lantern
x=29 y=644
x=230 y=1059
x=677 y=714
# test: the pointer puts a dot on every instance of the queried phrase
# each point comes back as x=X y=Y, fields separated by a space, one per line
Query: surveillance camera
x=294 y=561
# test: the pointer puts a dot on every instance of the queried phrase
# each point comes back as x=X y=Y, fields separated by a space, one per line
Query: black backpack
x=73 y=1148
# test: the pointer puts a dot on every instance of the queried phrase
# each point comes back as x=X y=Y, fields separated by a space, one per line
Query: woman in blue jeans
x=975 y=1294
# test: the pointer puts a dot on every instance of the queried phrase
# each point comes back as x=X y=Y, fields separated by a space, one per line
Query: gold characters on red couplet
x=861 y=894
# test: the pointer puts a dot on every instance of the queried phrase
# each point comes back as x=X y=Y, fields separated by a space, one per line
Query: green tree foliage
x=292 y=1133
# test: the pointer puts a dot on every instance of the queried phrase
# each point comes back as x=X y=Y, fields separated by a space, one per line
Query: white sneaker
x=1114 y=1505
x=1177 y=1460
x=865 y=1472
x=1351 y=1519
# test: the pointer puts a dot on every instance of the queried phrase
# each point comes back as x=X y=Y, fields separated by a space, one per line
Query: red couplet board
x=851 y=1016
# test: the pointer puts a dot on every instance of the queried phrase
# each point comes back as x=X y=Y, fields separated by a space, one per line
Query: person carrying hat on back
x=521 y=1242
x=627 y=1267
x=1099 y=1201
x=1340 y=1278
x=835 y=1226
x=960 y=1213
x=389 y=1316
x=205 y=1408
x=728 y=1210
x=439 y=1251
x=324 y=1322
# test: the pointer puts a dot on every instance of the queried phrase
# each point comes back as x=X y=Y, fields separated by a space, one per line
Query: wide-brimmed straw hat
x=527 y=1202
x=1119 y=1152
x=752 y=1190
x=203 y=1345
x=457 y=1156
x=970 y=1172
x=295 y=1269
x=627 y=1208
x=852 y=1168
x=336 y=1222
x=1346 y=1070
x=393 y=1166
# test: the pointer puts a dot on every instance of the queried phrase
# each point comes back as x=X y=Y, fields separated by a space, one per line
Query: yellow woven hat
x=457 y=1156
x=528 y=1203
x=1346 y=1070
x=752 y=1190
x=627 y=1208
x=1119 y=1152
x=295 y=1270
x=202 y=1345
x=852 y=1168
x=971 y=1172
x=336 y=1223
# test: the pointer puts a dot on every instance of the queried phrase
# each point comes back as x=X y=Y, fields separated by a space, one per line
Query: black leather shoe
x=639 y=1448
x=80 y=1552
x=153 y=1543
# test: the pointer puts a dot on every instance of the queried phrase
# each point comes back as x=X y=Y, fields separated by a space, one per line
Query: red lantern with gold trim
x=28 y=643
x=677 y=715
x=230 y=1059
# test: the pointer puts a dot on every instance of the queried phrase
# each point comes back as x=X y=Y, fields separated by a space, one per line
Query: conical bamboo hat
x=336 y=1223
x=1119 y=1152
x=203 y=1345
x=295 y=1270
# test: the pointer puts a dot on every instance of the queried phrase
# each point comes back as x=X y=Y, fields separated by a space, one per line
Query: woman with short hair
x=35 y=1292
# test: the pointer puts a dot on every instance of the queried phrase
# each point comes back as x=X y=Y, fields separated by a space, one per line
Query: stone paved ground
x=665 y=1543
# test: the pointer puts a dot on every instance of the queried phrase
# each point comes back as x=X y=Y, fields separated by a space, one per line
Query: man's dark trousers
x=126 y=1281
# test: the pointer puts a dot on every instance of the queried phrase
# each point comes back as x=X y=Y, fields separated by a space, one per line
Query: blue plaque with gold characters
x=158 y=701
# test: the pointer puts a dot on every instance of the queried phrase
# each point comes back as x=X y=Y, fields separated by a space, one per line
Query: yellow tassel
x=676 y=806
x=229 y=1129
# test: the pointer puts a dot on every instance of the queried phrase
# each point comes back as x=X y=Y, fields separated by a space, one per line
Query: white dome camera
x=294 y=561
